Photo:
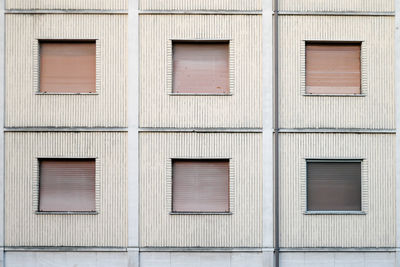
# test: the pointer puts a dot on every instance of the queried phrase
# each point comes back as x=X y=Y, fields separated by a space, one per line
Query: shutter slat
x=201 y=68
x=68 y=67
x=200 y=186
x=333 y=68
x=334 y=186
x=67 y=185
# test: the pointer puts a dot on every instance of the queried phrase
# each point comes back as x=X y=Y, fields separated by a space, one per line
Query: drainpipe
x=276 y=130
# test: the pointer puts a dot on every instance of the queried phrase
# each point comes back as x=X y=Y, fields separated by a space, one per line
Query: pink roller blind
x=67 y=185
x=333 y=68
x=200 y=186
x=201 y=67
x=68 y=67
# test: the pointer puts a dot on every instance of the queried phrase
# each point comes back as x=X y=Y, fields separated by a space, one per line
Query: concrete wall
x=23 y=227
x=160 y=109
x=240 y=229
x=377 y=228
x=337 y=5
x=374 y=110
x=26 y=108
x=67 y=259
x=67 y=4
x=227 y=5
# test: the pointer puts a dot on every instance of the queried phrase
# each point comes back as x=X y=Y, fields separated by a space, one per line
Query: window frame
x=38 y=181
x=337 y=212
x=230 y=195
x=170 y=65
x=37 y=64
x=363 y=66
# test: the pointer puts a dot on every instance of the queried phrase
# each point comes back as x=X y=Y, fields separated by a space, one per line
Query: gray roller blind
x=200 y=185
x=334 y=186
x=201 y=67
x=67 y=185
x=68 y=67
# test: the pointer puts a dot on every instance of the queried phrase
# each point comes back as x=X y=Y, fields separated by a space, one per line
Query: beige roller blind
x=200 y=185
x=68 y=67
x=67 y=185
x=201 y=67
x=333 y=68
x=334 y=186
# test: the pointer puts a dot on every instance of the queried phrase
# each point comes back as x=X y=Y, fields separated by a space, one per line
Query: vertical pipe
x=276 y=129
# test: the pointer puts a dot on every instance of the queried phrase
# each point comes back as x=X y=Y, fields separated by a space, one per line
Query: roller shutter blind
x=333 y=68
x=334 y=186
x=201 y=67
x=68 y=67
x=67 y=185
x=200 y=185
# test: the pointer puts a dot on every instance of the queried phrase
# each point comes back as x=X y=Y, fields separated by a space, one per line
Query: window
x=67 y=185
x=201 y=67
x=200 y=185
x=67 y=66
x=333 y=185
x=333 y=68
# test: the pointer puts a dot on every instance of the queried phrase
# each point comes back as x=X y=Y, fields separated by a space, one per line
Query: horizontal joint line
x=333 y=13
x=199 y=12
x=336 y=130
x=65 y=129
x=64 y=11
x=203 y=130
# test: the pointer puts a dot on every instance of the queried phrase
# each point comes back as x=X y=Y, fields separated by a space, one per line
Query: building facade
x=199 y=133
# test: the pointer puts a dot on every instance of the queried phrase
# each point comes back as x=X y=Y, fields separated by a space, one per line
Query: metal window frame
x=39 y=212
x=334 y=212
x=229 y=212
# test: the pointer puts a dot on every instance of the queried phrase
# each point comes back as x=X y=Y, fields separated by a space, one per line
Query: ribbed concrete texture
x=241 y=109
x=374 y=110
x=24 y=227
x=68 y=4
x=376 y=228
x=223 y=5
x=26 y=108
x=337 y=5
x=242 y=228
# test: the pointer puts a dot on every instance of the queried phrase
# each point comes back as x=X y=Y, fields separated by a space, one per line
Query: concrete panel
x=242 y=228
x=25 y=107
x=338 y=259
x=181 y=5
x=201 y=259
x=66 y=259
x=375 y=109
x=24 y=227
x=67 y=4
x=337 y=5
x=377 y=228
x=241 y=109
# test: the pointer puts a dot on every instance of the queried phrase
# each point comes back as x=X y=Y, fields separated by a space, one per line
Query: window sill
x=52 y=93
x=66 y=212
x=335 y=213
x=197 y=94
x=337 y=95
x=199 y=213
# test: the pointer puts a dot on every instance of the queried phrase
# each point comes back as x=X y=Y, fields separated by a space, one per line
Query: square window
x=333 y=68
x=68 y=66
x=67 y=185
x=334 y=185
x=200 y=67
x=200 y=185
